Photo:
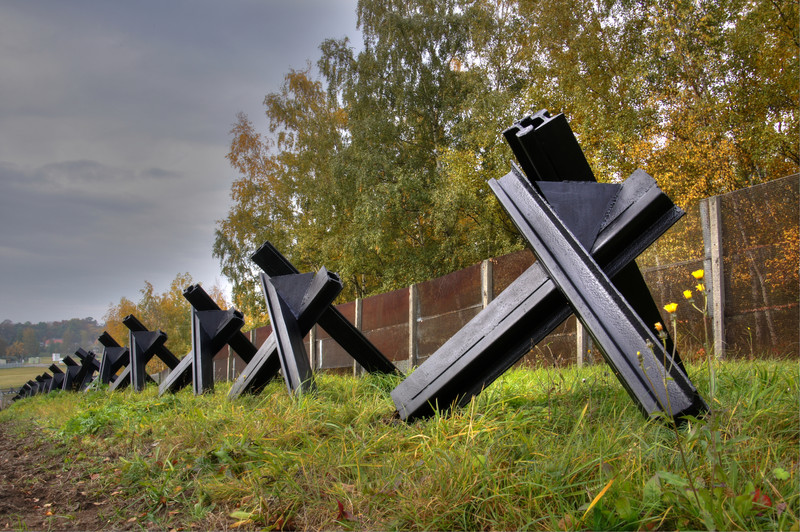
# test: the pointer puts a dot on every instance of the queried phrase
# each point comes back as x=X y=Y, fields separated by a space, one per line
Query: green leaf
x=241 y=515
x=652 y=490
x=625 y=509
x=780 y=473
x=672 y=478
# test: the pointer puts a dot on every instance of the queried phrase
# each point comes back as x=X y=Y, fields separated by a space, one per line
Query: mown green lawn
x=14 y=377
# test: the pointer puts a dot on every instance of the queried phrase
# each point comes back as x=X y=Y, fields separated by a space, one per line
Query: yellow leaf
x=597 y=498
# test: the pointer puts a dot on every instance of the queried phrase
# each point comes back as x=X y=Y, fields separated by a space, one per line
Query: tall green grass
x=539 y=449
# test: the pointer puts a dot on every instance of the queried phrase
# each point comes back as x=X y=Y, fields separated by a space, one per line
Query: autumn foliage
x=375 y=163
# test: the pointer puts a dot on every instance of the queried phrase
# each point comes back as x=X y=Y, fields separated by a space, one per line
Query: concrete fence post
x=312 y=348
x=487 y=282
x=230 y=366
x=413 y=315
x=711 y=221
x=582 y=343
x=357 y=321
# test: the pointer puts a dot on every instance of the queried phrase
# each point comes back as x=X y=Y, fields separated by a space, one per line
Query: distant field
x=13 y=377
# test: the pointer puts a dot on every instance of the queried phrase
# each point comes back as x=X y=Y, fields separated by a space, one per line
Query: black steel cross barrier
x=71 y=374
x=45 y=380
x=212 y=329
x=641 y=363
x=115 y=357
x=309 y=306
x=335 y=324
x=143 y=346
x=89 y=365
x=550 y=155
x=294 y=303
x=532 y=306
x=58 y=378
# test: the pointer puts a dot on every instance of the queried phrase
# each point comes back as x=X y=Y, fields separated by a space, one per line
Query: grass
x=15 y=377
x=540 y=449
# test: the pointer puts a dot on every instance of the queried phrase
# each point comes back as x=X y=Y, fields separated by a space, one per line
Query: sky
x=114 y=125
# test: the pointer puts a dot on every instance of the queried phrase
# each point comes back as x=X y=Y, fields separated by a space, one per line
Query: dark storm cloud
x=114 y=120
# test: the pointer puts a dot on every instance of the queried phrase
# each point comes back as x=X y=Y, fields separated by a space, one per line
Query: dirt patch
x=40 y=493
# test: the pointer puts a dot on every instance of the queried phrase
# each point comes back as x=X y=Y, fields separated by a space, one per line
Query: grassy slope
x=534 y=451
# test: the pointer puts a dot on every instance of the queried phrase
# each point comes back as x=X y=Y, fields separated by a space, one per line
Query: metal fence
x=745 y=241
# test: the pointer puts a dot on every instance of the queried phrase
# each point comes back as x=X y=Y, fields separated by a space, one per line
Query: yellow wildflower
x=687 y=294
x=659 y=327
x=701 y=287
x=697 y=274
x=671 y=307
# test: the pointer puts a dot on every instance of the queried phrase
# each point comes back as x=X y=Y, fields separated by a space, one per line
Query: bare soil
x=40 y=491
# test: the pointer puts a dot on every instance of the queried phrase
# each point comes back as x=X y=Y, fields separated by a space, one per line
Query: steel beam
x=335 y=324
x=115 y=357
x=143 y=346
x=212 y=329
x=634 y=353
x=308 y=296
x=531 y=307
x=289 y=341
x=201 y=301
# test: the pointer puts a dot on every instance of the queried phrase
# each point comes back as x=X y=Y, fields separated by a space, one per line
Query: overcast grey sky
x=114 y=121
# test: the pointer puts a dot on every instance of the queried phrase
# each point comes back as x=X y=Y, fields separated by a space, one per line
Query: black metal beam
x=115 y=357
x=635 y=354
x=73 y=368
x=530 y=308
x=200 y=300
x=337 y=326
x=211 y=330
x=143 y=346
x=308 y=299
x=289 y=341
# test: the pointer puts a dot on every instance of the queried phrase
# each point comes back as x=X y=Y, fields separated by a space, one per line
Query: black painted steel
x=44 y=380
x=532 y=306
x=201 y=301
x=143 y=346
x=529 y=309
x=308 y=295
x=547 y=150
x=73 y=368
x=287 y=297
x=115 y=357
x=58 y=378
x=89 y=365
x=335 y=324
x=553 y=161
x=649 y=374
x=212 y=329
